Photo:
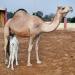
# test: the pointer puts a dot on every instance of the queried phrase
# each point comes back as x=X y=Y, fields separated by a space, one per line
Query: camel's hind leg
x=6 y=35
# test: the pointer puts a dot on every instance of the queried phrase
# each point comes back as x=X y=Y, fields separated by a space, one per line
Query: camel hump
x=23 y=10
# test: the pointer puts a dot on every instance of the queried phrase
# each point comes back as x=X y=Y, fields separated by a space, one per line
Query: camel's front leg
x=36 y=49
x=29 y=51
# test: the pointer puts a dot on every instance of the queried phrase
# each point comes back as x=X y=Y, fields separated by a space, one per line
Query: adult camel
x=25 y=25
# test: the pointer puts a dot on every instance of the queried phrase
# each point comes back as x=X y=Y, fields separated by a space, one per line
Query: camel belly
x=21 y=32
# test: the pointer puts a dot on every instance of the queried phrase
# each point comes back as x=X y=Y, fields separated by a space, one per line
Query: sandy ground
x=56 y=50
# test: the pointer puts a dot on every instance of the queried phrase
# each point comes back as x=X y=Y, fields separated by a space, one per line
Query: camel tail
x=8 y=47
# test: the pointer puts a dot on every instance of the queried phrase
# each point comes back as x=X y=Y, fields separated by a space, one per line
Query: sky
x=46 y=6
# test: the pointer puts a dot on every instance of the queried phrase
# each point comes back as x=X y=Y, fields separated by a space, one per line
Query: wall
x=70 y=26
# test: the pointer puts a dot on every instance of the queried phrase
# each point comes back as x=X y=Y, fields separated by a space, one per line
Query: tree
x=73 y=20
x=46 y=18
x=49 y=17
x=39 y=14
x=69 y=20
x=9 y=15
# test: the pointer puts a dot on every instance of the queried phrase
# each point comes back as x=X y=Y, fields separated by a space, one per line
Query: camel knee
x=30 y=48
x=36 y=48
x=29 y=51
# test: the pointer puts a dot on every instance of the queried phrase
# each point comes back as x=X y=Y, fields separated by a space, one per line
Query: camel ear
x=59 y=7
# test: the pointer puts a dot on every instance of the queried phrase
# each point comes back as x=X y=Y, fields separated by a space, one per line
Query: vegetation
x=9 y=15
x=39 y=14
x=71 y=20
x=47 y=17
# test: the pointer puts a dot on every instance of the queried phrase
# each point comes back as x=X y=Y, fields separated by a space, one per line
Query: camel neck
x=57 y=19
x=47 y=27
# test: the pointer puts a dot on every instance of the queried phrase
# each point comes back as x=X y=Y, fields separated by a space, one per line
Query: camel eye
x=63 y=8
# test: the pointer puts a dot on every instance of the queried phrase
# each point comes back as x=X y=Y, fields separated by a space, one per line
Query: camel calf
x=13 y=51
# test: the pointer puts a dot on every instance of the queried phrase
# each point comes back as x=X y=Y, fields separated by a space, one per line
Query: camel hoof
x=12 y=69
x=6 y=61
x=8 y=66
x=39 y=62
x=17 y=64
x=29 y=64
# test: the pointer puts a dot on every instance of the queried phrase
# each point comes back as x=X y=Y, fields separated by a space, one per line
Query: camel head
x=64 y=10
